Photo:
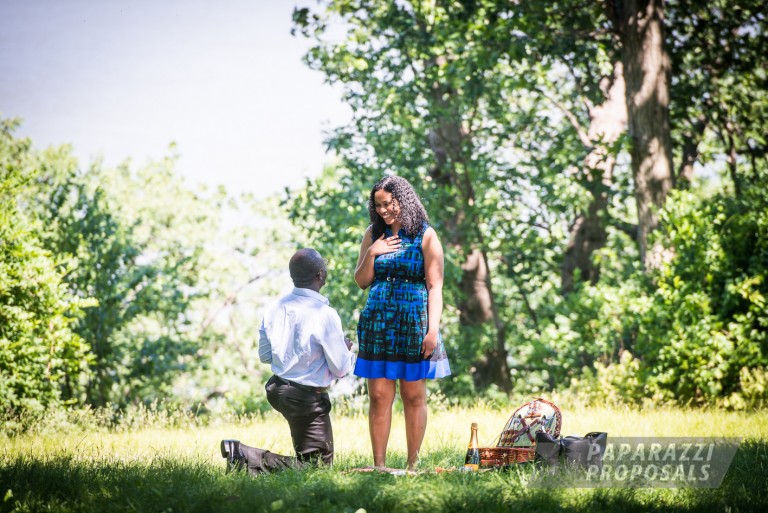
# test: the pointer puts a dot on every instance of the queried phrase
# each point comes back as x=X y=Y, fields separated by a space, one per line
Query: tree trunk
x=588 y=231
x=448 y=142
x=477 y=306
x=640 y=25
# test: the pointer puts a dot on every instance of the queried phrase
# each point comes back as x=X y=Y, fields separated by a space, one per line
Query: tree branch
x=690 y=151
x=623 y=226
x=571 y=118
x=229 y=300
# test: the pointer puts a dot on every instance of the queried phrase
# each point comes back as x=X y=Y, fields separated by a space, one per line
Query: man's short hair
x=304 y=266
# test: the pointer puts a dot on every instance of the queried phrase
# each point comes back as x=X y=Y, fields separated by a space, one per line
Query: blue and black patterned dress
x=393 y=323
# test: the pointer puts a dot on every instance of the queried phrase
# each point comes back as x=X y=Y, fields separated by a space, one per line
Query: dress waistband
x=395 y=278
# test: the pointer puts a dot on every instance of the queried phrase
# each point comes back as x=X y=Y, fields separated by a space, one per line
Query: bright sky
x=125 y=78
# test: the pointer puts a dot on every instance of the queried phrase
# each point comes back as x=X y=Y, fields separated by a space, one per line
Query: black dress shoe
x=230 y=450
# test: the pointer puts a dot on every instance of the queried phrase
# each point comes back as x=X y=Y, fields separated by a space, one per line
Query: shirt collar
x=311 y=293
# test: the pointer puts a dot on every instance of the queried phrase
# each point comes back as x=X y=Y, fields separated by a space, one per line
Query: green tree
x=486 y=126
x=245 y=267
x=125 y=285
x=39 y=351
x=640 y=25
x=418 y=79
x=509 y=118
x=133 y=242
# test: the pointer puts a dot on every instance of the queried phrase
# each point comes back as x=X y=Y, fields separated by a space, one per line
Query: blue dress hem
x=426 y=369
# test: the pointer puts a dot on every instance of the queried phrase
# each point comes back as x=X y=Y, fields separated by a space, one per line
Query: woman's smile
x=386 y=206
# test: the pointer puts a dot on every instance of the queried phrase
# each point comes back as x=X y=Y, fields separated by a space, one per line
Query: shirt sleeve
x=265 y=346
x=338 y=357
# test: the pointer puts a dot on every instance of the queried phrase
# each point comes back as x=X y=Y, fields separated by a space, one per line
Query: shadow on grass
x=166 y=484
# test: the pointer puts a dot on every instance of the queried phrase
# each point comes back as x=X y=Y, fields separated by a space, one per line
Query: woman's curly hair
x=412 y=214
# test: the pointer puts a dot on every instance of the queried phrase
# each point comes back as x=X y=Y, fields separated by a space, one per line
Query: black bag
x=573 y=451
x=547 y=449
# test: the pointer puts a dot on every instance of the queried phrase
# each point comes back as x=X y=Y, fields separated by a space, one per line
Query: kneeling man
x=302 y=338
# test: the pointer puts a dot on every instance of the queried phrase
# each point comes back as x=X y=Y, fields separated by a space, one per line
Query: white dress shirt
x=301 y=337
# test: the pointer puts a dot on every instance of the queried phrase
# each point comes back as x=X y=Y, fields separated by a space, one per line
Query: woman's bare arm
x=433 y=274
x=369 y=250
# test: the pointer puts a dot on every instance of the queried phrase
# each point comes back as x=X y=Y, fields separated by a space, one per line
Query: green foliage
x=124 y=286
x=333 y=214
x=711 y=300
x=719 y=94
x=413 y=73
x=132 y=242
x=39 y=352
x=522 y=80
x=694 y=333
x=246 y=266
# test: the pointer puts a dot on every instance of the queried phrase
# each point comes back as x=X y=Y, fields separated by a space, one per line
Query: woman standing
x=401 y=259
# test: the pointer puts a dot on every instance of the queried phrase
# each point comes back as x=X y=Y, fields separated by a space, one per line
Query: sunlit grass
x=447 y=432
x=156 y=467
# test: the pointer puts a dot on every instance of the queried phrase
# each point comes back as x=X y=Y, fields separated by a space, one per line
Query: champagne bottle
x=472 y=460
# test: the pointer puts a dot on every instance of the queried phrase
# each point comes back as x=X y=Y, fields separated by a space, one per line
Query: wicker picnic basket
x=517 y=441
x=504 y=456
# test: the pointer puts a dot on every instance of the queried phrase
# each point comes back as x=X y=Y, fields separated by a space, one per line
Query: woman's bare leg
x=414 y=396
x=381 y=393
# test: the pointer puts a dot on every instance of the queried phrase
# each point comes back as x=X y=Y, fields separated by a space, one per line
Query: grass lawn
x=158 y=468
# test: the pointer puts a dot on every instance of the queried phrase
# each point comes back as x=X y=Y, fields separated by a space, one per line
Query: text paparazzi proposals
x=644 y=463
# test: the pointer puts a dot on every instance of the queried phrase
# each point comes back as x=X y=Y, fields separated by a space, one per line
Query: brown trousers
x=308 y=416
